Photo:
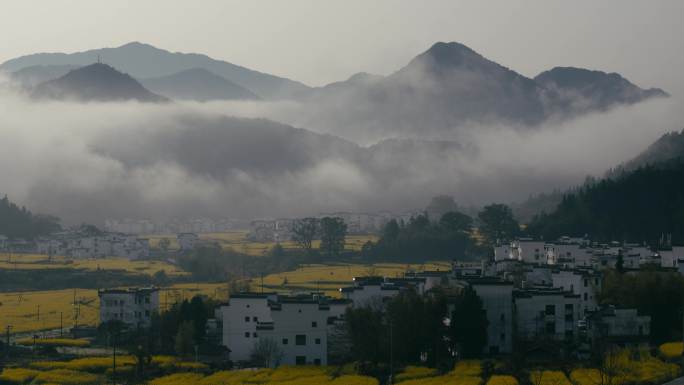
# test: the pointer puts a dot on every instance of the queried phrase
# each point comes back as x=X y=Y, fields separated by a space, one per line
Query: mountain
x=96 y=82
x=145 y=61
x=668 y=147
x=450 y=86
x=637 y=206
x=30 y=77
x=580 y=90
x=197 y=84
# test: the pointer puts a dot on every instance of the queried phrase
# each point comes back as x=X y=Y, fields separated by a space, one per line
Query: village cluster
x=529 y=290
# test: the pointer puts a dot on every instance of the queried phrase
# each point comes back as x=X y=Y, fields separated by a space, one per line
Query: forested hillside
x=18 y=222
x=636 y=206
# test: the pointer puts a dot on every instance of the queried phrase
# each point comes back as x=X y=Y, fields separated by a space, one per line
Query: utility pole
x=391 y=375
x=61 y=325
x=7 y=343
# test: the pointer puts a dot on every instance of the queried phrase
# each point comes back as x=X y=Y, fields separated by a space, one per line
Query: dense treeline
x=18 y=222
x=422 y=240
x=212 y=263
x=654 y=293
x=411 y=329
x=639 y=206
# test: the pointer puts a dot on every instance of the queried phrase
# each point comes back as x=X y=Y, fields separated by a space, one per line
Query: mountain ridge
x=96 y=82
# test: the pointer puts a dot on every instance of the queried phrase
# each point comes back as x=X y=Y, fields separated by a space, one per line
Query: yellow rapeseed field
x=467 y=372
x=548 y=377
x=237 y=241
x=671 y=350
x=414 y=372
x=282 y=376
x=38 y=262
x=41 y=310
x=498 y=379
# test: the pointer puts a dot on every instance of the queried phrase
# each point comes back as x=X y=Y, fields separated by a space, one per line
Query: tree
x=184 y=342
x=468 y=327
x=333 y=234
x=455 y=221
x=304 y=231
x=497 y=223
x=266 y=353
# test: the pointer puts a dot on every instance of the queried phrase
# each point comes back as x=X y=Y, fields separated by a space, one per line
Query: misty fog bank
x=88 y=162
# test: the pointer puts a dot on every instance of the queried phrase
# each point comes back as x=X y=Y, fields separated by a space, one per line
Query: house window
x=285 y=341
x=586 y=282
x=147 y=313
x=502 y=336
x=300 y=360
x=586 y=296
x=550 y=310
x=317 y=362
x=318 y=341
x=300 y=339
x=147 y=299
x=246 y=334
x=314 y=324
x=254 y=335
x=255 y=319
x=503 y=317
x=247 y=305
x=246 y=319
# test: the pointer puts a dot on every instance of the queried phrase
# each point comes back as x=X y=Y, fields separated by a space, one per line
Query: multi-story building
x=298 y=325
x=240 y=316
x=497 y=300
x=586 y=283
x=134 y=306
x=546 y=313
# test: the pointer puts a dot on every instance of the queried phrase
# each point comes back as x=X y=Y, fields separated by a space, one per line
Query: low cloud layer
x=88 y=162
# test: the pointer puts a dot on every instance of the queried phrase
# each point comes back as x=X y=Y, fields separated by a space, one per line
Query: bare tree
x=266 y=353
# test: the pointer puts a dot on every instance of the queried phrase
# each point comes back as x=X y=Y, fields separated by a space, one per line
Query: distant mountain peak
x=95 y=82
x=603 y=89
x=198 y=84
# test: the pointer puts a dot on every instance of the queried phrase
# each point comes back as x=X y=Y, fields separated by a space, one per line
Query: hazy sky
x=318 y=41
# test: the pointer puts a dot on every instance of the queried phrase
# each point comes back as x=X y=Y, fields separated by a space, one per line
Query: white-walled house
x=299 y=326
x=241 y=315
x=585 y=283
x=549 y=313
x=530 y=251
x=133 y=306
x=497 y=300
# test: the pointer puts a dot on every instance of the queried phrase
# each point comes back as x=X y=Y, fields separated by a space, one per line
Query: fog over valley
x=87 y=161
